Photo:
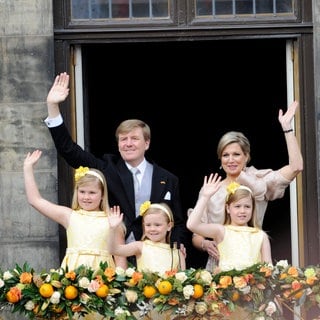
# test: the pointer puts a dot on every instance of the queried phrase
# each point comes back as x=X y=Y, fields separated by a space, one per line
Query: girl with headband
x=86 y=222
x=153 y=252
x=240 y=242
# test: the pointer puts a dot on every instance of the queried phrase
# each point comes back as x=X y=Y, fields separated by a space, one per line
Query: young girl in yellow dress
x=153 y=252
x=240 y=242
x=86 y=222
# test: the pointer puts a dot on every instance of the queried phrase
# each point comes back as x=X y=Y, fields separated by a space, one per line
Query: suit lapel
x=159 y=184
x=125 y=177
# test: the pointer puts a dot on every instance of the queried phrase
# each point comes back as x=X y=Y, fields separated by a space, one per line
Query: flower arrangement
x=261 y=291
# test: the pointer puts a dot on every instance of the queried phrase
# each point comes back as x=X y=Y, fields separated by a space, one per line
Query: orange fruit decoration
x=46 y=290
x=299 y=294
x=235 y=296
x=149 y=291
x=70 y=292
x=198 y=291
x=165 y=287
x=103 y=291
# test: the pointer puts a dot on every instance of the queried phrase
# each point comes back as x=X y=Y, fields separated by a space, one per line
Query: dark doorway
x=190 y=93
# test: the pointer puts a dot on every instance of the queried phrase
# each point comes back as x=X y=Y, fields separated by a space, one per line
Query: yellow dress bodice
x=240 y=248
x=158 y=257
x=87 y=236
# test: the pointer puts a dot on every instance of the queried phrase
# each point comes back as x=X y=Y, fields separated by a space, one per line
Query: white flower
x=131 y=296
x=206 y=276
x=84 y=282
x=61 y=271
x=7 y=275
x=188 y=291
x=84 y=298
x=48 y=278
x=181 y=276
x=118 y=311
x=93 y=286
x=1 y=283
x=55 y=298
x=282 y=263
x=129 y=272
x=29 y=305
x=120 y=271
x=245 y=289
x=308 y=291
x=201 y=308
x=271 y=308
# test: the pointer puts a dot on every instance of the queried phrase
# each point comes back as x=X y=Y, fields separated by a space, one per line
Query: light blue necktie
x=136 y=183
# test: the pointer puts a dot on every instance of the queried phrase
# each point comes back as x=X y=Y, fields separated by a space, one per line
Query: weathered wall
x=26 y=73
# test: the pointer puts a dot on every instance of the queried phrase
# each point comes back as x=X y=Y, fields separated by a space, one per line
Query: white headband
x=93 y=173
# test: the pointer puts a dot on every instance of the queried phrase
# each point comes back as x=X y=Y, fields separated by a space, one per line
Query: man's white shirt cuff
x=54 y=122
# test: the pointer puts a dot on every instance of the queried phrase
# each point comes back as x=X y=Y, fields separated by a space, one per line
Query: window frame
x=181 y=15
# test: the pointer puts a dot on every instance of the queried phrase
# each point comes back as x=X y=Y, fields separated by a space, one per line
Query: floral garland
x=260 y=290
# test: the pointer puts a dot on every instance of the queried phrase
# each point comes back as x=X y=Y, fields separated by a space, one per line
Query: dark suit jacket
x=120 y=183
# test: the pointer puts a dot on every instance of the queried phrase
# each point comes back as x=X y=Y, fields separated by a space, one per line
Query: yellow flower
x=232 y=187
x=144 y=207
x=80 y=172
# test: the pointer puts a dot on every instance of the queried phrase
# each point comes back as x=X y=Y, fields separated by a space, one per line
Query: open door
x=249 y=80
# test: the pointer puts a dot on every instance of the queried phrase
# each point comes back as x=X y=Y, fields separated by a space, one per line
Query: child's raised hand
x=211 y=185
x=115 y=217
x=32 y=158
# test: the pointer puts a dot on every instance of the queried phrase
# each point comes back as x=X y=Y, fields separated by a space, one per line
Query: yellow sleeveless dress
x=158 y=257
x=240 y=248
x=87 y=237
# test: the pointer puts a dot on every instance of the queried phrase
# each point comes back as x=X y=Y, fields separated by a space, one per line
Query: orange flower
x=136 y=277
x=239 y=282
x=71 y=275
x=293 y=272
x=225 y=281
x=266 y=270
x=99 y=280
x=25 y=277
x=76 y=308
x=310 y=280
x=14 y=295
x=283 y=276
x=173 y=301
x=170 y=273
x=109 y=273
x=36 y=309
x=296 y=285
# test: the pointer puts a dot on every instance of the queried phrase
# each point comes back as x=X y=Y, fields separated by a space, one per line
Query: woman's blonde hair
x=234 y=137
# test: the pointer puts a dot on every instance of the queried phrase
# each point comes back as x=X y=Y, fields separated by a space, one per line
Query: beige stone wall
x=26 y=73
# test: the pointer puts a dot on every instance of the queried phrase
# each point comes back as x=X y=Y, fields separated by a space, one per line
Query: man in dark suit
x=133 y=137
